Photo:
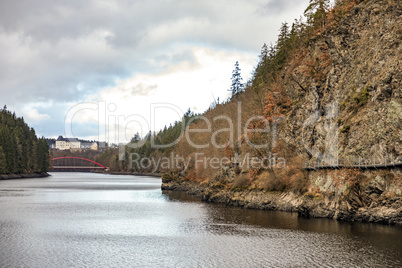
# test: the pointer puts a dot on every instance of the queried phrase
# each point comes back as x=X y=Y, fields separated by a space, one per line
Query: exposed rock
x=351 y=108
x=365 y=52
x=385 y=210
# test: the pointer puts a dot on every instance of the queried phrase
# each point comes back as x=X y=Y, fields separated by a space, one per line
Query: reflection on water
x=87 y=220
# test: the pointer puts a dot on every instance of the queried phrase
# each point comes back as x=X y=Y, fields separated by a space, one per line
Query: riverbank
x=23 y=176
x=157 y=175
x=384 y=209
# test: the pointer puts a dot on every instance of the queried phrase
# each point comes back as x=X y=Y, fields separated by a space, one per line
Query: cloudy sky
x=102 y=69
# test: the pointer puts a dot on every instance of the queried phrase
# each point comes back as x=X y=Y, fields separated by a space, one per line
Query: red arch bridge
x=73 y=163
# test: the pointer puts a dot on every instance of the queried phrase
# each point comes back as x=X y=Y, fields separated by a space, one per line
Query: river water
x=96 y=220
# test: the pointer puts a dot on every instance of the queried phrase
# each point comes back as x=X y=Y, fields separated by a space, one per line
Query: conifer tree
x=282 y=46
x=316 y=12
x=237 y=85
x=136 y=138
x=264 y=53
x=283 y=36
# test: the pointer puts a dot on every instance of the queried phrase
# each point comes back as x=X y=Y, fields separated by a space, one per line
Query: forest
x=21 y=151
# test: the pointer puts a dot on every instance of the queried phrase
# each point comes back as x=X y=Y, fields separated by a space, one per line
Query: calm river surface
x=95 y=220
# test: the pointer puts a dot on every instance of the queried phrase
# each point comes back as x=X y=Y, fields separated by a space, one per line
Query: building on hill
x=73 y=144
x=92 y=145
x=67 y=143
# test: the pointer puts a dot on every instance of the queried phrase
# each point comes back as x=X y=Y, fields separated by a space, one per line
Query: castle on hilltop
x=62 y=143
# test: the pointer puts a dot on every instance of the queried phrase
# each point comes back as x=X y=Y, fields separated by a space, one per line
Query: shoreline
x=386 y=211
x=158 y=175
x=24 y=176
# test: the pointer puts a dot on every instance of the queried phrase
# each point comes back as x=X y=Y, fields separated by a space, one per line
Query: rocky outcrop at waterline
x=377 y=201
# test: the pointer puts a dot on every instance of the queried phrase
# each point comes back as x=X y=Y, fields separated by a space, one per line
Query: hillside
x=328 y=93
x=21 y=152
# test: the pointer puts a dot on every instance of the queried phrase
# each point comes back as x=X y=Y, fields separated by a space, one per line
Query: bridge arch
x=81 y=158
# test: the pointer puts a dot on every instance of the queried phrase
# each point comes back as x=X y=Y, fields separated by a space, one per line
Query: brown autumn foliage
x=226 y=130
x=277 y=103
x=272 y=100
x=241 y=181
x=351 y=177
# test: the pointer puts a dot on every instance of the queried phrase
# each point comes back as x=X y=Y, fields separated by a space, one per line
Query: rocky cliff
x=338 y=95
x=351 y=107
x=375 y=202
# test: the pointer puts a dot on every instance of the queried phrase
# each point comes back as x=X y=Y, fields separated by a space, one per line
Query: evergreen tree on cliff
x=237 y=85
x=264 y=53
x=316 y=12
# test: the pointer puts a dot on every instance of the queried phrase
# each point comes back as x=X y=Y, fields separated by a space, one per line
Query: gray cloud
x=63 y=51
x=280 y=7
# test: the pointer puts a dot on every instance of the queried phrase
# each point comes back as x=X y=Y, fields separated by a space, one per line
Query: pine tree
x=283 y=36
x=282 y=46
x=316 y=12
x=271 y=51
x=186 y=117
x=237 y=86
x=264 y=53
x=136 y=138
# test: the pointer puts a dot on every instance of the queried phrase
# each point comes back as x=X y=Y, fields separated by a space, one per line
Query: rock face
x=358 y=103
x=363 y=205
x=345 y=92
x=353 y=109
